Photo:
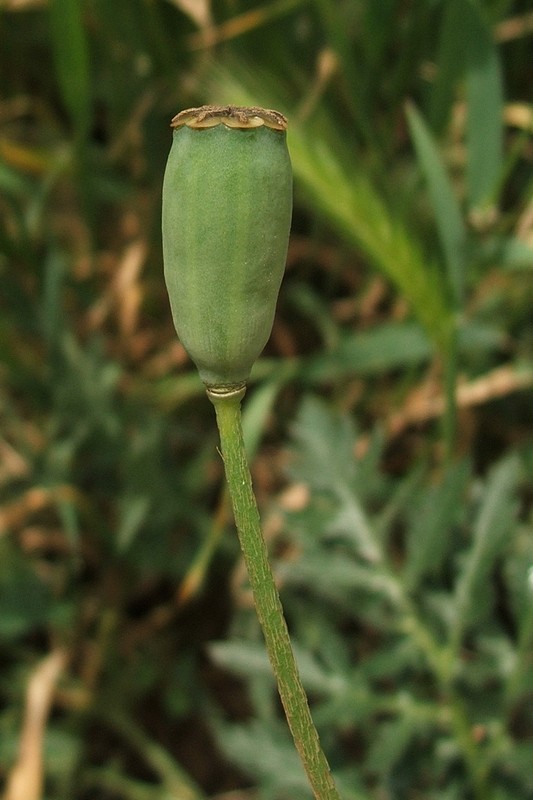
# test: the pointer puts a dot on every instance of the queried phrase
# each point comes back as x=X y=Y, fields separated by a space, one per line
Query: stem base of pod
x=217 y=393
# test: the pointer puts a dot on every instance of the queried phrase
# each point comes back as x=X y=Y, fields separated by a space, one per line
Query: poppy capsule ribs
x=227 y=206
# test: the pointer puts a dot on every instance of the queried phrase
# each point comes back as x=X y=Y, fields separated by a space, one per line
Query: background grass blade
x=467 y=48
x=71 y=59
x=450 y=62
x=484 y=125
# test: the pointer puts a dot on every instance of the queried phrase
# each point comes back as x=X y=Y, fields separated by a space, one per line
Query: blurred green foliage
x=389 y=420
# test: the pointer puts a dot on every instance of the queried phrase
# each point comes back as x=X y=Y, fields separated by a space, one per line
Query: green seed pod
x=227 y=204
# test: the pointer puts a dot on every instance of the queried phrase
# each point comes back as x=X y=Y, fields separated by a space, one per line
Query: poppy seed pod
x=227 y=204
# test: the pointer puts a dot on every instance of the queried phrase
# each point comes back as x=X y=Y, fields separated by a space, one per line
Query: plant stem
x=449 y=421
x=267 y=601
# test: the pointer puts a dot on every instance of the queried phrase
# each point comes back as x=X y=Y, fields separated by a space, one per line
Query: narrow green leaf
x=71 y=57
x=452 y=231
x=450 y=63
x=340 y=580
x=387 y=347
x=429 y=538
x=390 y=745
x=13 y=184
x=509 y=253
x=484 y=126
x=249 y=659
x=352 y=524
x=494 y=519
x=24 y=597
x=256 y=411
x=324 y=447
x=480 y=337
x=467 y=47
x=52 y=311
x=134 y=510
x=379 y=21
x=519 y=577
x=496 y=511
x=261 y=748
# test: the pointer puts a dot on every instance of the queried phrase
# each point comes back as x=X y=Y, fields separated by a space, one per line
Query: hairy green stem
x=266 y=596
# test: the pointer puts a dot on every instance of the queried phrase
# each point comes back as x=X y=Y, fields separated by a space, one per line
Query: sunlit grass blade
x=448 y=217
x=334 y=187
